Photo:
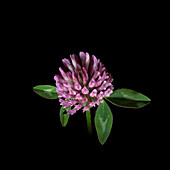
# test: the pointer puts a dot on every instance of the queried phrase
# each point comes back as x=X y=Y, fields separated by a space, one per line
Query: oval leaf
x=128 y=98
x=46 y=91
x=64 y=117
x=103 y=122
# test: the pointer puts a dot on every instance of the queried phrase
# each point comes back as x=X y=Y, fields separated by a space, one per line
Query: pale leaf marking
x=103 y=123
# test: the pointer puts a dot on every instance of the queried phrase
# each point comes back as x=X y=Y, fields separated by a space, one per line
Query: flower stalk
x=89 y=125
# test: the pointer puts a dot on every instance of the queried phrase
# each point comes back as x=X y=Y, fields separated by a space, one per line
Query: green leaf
x=46 y=91
x=64 y=117
x=103 y=122
x=128 y=98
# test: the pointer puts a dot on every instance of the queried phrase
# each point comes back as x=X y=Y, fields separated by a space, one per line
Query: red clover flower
x=83 y=82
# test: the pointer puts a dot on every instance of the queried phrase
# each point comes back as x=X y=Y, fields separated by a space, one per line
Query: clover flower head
x=83 y=82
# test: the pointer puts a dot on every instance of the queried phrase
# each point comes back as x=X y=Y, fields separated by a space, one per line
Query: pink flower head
x=84 y=84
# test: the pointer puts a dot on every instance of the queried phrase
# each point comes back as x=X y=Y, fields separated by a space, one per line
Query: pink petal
x=61 y=101
x=104 y=76
x=69 y=75
x=101 y=67
x=73 y=102
x=78 y=67
x=98 y=102
x=85 y=73
x=99 y=81
x=93 y=93
x=85 y=90
x=65 y=84
x=62 y=94
x=110 y=79
x=92 y=104
x=103 y=86
x=60 y=87
x=73 y=60
x=84 y=78
x=78 y=107
x=87 y=61
x=85 y=99
x=63 y=74
x=85 y=109
x=68 y=64
x=72 y=111
x=83 y=58
x=74 y=77
x=79 y=78
x=92 y=83
x=66 y=104
x=108 y=92
x=77 y=86
x=72 y=92
x=100 y=95
x=96 y=74
x=95 y=65
x=91 y=67
x=78 y=96
x=58 y=78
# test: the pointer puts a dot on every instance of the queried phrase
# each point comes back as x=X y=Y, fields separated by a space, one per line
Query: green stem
x=88 y=118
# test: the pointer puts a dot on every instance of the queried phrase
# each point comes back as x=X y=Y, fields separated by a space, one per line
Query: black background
x=126 y=44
